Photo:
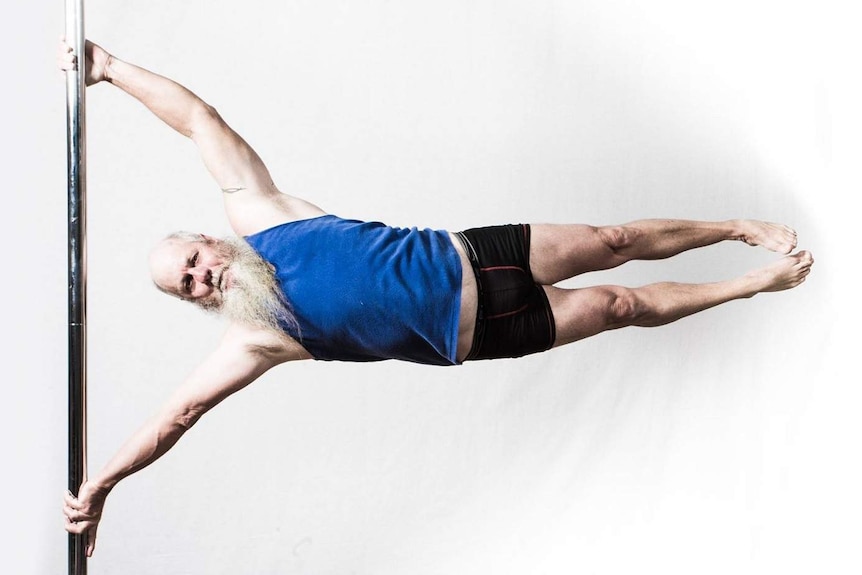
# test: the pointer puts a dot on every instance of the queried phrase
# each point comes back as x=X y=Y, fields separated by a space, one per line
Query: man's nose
x=201 y=274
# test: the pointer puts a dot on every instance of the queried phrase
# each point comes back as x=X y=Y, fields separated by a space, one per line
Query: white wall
x=725 y=443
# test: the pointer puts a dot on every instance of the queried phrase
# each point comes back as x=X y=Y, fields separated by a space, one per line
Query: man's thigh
x=562 y=251
x=581 y=313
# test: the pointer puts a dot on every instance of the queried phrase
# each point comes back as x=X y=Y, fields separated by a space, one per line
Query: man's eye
x=187 y=284
x=194 y=260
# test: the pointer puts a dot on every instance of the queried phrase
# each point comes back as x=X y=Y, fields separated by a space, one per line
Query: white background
x=725 y=443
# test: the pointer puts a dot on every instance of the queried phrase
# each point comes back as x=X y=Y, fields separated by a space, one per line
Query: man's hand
x=84 y=512
x=97 y=61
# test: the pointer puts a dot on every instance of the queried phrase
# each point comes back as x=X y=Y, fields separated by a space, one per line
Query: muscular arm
x=226 y=371
x=252 y=201
x=242 y=357
x=231 y=161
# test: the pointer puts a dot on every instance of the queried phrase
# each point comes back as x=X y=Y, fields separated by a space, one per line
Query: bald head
x=221 y=275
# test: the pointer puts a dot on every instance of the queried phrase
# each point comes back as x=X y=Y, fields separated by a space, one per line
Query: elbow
x=203 y=118
x=187 y=417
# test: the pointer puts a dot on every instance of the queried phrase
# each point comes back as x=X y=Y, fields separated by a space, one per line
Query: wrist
x=103 y=483
x=109 y=73
x=736 y=229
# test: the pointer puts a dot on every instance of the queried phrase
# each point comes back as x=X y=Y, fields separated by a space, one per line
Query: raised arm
x=242 y=357
x=252 y=201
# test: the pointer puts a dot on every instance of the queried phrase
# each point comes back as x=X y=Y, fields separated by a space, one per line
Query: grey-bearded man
x=305 y=284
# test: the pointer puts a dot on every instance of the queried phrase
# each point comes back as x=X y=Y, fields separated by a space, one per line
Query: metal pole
x=76 y=162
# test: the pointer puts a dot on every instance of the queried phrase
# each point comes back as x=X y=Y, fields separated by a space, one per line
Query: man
x=305 y=284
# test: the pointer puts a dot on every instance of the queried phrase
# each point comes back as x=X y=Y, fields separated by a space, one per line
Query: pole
x=76 y=162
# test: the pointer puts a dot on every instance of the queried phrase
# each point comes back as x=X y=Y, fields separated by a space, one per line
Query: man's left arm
x=252 y=200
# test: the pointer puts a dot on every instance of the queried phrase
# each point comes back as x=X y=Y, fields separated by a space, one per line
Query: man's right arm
x=243 y=356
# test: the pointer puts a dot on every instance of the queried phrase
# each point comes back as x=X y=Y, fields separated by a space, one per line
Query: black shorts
x=514 y=317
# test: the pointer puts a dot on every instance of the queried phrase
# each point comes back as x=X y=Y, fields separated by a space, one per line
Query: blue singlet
x=364 y=291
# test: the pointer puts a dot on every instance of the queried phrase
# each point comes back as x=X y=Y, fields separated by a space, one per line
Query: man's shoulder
x=262 y=212
x=275 y=346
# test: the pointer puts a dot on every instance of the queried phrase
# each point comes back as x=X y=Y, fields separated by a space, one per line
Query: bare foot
x=786 y=273
x=775 y=237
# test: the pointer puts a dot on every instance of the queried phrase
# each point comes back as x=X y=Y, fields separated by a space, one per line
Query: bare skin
x=590 y=311
x=559 y=252
x=581 y=313
x=253 y=203
x=786 y=273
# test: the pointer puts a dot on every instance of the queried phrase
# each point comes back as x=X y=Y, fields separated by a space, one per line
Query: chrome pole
x=76 y=163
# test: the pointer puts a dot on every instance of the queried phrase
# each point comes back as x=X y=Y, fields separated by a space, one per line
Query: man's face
x=193 y=270
x=224 y=276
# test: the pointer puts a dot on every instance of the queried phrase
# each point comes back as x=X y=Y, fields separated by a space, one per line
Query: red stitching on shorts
x=495 y=268
x=508 y=313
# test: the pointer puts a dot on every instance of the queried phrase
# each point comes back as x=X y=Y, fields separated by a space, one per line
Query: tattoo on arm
x=232 y=190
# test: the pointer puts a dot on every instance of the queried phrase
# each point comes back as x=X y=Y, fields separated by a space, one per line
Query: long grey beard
x=255 y=297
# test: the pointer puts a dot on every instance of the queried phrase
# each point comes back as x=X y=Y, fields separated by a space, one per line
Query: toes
x=789 y=243
x=804 y=260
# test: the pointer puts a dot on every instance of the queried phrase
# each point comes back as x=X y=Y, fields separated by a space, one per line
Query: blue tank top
x=364 y=291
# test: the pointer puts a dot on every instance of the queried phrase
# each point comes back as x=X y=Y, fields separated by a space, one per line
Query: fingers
x=87 y=529
x=78 y=518
x=66 y=58
x=64 y=46
x=70 y=500
x=75 y=515
x=80 y=521
x=79 y=527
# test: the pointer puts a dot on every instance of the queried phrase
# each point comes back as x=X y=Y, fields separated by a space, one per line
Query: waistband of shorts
x=479 y=329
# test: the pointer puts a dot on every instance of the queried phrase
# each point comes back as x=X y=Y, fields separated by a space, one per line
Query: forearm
x=150 y=442
x=174 y=104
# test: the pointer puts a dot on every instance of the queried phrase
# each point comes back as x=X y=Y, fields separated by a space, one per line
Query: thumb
x=91 y=541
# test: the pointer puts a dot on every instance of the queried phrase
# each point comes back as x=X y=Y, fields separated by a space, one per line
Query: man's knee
x=624 y=307
x=616 y=238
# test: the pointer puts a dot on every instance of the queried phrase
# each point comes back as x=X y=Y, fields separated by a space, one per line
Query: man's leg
x=558 y=252
x=584 y=312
